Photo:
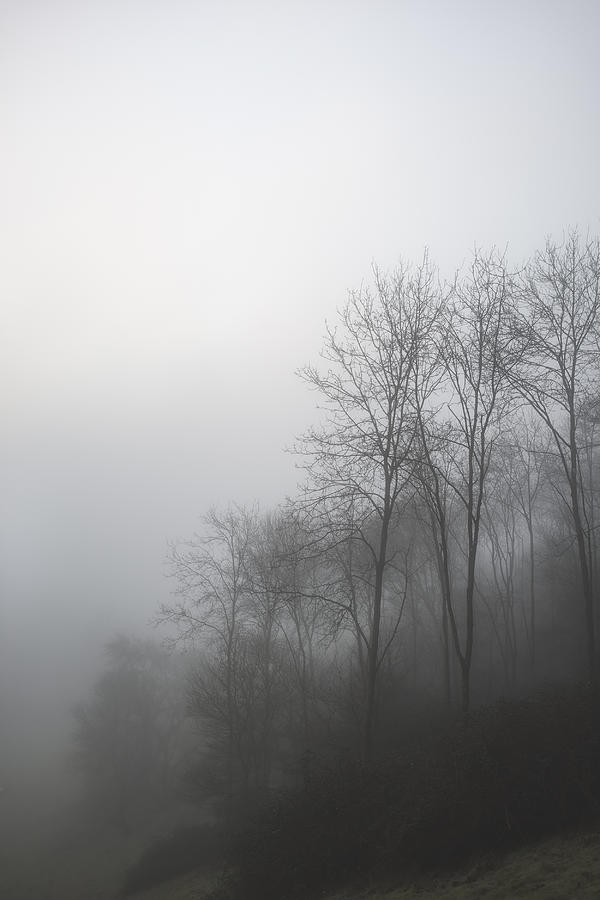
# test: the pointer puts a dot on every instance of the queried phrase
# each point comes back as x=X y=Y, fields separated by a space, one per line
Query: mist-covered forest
x=300 y=458
x=406 y=651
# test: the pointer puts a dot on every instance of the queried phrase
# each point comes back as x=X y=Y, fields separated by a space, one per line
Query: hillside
x=553 y=869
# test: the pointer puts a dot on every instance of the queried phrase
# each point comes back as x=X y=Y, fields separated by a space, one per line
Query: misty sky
x=188 y=190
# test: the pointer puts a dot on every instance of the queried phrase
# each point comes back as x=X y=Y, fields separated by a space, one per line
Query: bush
x=505 y=774
x=187 y=848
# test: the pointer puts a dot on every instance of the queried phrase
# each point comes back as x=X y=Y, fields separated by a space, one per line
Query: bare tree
x=360 y=459
x=524 y=460
x=212 y=605
x=306 y=625
x=499 y=590
x=238 y=592
x=458 y=454
x=555 y=328
x=589 y=420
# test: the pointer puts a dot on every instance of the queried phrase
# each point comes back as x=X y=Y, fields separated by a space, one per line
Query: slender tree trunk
x=531 y=596
x=373 y=660
x=373 y=651
x=584 y=562
x=446 y=653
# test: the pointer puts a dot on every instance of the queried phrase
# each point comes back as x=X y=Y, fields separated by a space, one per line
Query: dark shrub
x=505 y=774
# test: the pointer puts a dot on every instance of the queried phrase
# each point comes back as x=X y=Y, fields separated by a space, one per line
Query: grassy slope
x=187 y=887
x=559 y=868
x=554 y=869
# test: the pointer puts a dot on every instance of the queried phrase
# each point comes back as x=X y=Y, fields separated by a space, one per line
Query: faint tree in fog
x=238 y=606
x=524 y=461
x=212 y=599
x=293 y=578
x=432 y=478
x=555 y=327
x=588 y=427
x=251 y=736
x=267 y=584
x=130 y=734
x=500 y=589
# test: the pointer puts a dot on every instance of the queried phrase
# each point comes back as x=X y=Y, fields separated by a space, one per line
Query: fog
x=189 y=191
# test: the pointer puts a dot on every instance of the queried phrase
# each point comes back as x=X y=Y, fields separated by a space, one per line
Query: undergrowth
x=505 y=775
x=184 y=850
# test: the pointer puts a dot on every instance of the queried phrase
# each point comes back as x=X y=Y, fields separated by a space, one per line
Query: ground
x=554 y=869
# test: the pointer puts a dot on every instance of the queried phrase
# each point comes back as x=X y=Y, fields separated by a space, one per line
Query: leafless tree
x=458 y=449
x=555 y=329
x=499 y=590
x=212 y=606
x=523 y=461
x=360 y=459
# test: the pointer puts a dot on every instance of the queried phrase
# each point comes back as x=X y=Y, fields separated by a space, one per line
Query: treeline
x=442 y=549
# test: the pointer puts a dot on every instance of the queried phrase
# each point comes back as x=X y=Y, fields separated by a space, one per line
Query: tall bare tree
x=458 y=441
x=360 y=459
x=556 y=325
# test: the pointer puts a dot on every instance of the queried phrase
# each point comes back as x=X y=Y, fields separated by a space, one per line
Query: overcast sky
x=188 y=189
